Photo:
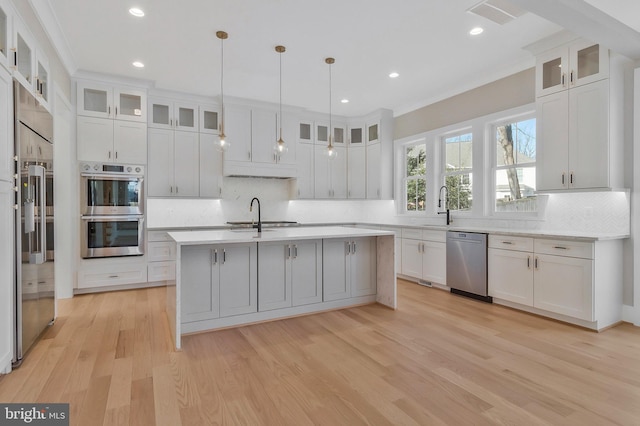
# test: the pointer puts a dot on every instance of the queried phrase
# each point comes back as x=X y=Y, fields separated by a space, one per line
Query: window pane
x=416 y=193
x=458 y=152
x=515 y=190
x=459 y=191
x=416 y=160
x=516 y=143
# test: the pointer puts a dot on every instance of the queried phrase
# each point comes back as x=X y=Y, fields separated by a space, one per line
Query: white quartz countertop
x=246 y=235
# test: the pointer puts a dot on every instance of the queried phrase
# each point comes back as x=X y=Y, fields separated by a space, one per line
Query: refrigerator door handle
x=38 y=257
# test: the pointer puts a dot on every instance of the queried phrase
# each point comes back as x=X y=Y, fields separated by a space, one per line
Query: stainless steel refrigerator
x=34 y=255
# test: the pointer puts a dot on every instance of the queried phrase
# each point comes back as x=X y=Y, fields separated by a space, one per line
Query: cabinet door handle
x=288 y=252
x=528 y=262
x=348 y=247
x=224 y=256
x=215 y=256
x=295 y=252
x=560 y=248
x=109 y=155
x=109 y=110
x=249 y=155
x=571 y=178
x=177 y=189
x=116 y=111
x=171 y=189
x=508 y=243
x=571 y=77
x=116 y=155
x=354 y=247
x=113 y=276
x=535 y=262
x=15 y=58
x=562 y=178
x=562 y=79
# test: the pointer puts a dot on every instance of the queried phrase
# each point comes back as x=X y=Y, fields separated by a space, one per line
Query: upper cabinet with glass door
x=23 y=52
x=373 y=133
x=357 y=134
x=104 y=101
x=174 y=115
x=572 y=65
x=210 y=119
x=42 y=78
x=6 y=35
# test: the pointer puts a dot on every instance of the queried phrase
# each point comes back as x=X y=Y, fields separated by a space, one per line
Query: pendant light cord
x=330 y=124
x=222 y=84
x=280 y=97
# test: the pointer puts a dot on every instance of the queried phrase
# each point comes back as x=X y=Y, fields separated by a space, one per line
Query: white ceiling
x=426 y=41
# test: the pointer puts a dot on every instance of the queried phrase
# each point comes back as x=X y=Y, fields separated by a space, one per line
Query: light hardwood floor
x=439 y=359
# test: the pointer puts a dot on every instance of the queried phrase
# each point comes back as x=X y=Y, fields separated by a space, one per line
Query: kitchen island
x=227 y=278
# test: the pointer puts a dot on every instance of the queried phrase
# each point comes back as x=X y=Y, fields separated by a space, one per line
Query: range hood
x=254 y=169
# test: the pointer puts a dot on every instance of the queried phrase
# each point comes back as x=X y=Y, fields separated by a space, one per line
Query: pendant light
x=223 y=144
x=280 y=148
x=331 y=151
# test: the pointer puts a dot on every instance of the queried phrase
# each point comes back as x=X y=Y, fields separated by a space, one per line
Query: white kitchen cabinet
x=116 y=103
x=373 y=133
x=161 y=257
x=305 y=132
x=424 y=255
x=174 y=163
x=510 y=269
x=6 y=127
x=210 y=167
x=573 y=129
x=176 y=115
x=6 y=34
x=42 y=78
x=218 y=281
x=572 y=65
x=263 y=136
x=356 y=134
x=112 y=141
x=209 y=119
x=330 y=175
x=24 y=49
x=306 y=171
x=348 y=268
x=356 y=172
x=564 y=285
x=290 y=274
x=237 y=128
x=98 y=274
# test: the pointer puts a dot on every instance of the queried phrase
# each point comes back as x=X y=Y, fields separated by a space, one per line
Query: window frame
x=492 y=139
x=459 y=131
x=405 y=179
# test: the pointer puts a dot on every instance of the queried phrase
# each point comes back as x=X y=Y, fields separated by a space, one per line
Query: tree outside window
x=415 y=177
x=515 y=169
x=458 y=176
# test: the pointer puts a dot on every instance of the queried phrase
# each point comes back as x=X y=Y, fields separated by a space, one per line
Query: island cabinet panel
x=200 y=288
x=238 y=265
x=349 y=268
x=218 y=281
x=290 y=274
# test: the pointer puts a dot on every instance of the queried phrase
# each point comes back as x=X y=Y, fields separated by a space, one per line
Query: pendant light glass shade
x=331 y=152
x=280 y=148
x=223 y=143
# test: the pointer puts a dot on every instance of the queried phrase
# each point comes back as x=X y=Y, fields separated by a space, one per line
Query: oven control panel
x=112 y=169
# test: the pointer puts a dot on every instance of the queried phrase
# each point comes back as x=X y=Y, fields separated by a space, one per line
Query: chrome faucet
x=259 y=218
x=440 y=199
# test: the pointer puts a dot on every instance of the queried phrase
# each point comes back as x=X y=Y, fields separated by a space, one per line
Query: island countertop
x=246 y=235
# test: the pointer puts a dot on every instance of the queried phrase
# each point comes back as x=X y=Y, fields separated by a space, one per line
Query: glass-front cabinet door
x=373 y=131
x=23 y=60
x=94 y=100
x=589 y=63
x=130 y=105
x=186 y=117
x=161 y=113
x=552 y=71
x=209 y=119
x=356 y=134
x=305 y=132
x=339 y=134
x=5 y=35
x=42 y=78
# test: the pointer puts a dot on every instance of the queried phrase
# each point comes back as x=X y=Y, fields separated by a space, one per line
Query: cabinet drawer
x=432 y=235
x=412 y=233
x=509 y=242
x=162 y=251
x=89 y=279
x=564 y=248
x=159 y=236
x=161 y=271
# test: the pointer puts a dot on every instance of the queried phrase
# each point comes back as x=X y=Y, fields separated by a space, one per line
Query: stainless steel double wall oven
x=112 y=208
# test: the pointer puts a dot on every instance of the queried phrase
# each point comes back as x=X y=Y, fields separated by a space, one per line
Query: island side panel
x=386 y=271
x=174 y=300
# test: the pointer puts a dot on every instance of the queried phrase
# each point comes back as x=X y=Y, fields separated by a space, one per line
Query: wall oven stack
x=112 y=209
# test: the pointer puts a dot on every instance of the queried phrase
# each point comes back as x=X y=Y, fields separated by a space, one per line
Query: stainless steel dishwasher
x=467 y=264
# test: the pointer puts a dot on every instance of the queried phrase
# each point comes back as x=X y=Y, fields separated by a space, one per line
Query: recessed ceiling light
x=345 y=101
x=138 y=64
x=394 y=75
x=476 y=31
x=135 y=11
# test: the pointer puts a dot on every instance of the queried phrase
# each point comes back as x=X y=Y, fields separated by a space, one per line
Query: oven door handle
x=37 y=257
x=113 y=218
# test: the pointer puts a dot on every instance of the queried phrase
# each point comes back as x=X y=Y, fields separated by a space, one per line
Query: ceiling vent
x=498 y=11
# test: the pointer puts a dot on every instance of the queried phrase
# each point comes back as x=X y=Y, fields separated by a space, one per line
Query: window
x=415 y=182
x=458 y=166
x=515 y=166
